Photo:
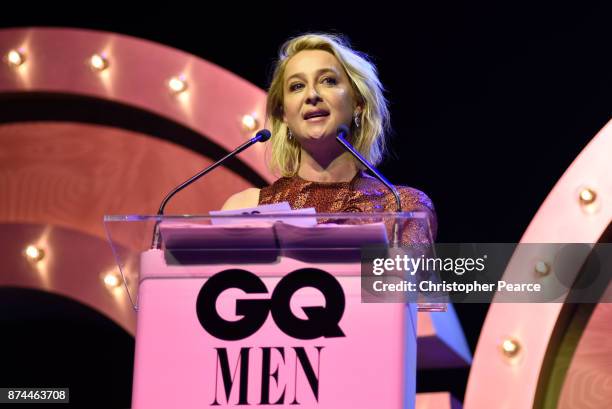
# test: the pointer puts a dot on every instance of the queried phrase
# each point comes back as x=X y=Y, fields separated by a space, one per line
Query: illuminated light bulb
x=510 y=348
x=99 y=62
x=15 y=58
x=589 y=202
x=587 y=196
x=178 y=84
x=542 y=268
x=249 y=122
x=111 y=280
x=34 y=253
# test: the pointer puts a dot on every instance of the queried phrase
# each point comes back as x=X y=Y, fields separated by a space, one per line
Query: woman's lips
x=317 y=113
x=317 y=118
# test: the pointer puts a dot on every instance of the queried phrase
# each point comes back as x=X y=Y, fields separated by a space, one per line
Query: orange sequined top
x=363 y=193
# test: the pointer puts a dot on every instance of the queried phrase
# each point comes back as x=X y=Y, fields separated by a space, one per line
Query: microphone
x=341 y=134
x=261 y=136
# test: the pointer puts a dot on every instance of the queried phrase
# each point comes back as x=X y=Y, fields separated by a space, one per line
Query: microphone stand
x=340 y=137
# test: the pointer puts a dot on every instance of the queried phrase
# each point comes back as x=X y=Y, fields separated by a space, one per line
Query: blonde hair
x=368 y=139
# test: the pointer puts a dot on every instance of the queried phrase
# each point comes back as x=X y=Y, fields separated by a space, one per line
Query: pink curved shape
x=588 y=382
x=73 y=267
x=57 y=60
x=495 y=382
x=51 y=174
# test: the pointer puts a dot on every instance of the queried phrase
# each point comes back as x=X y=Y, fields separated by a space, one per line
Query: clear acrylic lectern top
x=336 y=237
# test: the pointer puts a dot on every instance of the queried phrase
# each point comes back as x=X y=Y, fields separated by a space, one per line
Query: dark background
x=490 y=104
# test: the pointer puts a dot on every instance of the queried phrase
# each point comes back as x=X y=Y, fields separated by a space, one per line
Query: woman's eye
x=295 y=86
x=329 y=81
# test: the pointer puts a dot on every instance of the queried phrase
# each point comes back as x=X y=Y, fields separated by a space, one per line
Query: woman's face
x=318 y=96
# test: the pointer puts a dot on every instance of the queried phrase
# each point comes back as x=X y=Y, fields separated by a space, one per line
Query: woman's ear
x=358 y=108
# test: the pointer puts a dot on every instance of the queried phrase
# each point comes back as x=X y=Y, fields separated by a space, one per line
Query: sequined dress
x=363 y=193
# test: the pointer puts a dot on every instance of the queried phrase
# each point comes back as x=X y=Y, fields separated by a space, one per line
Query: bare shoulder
x=241 y=200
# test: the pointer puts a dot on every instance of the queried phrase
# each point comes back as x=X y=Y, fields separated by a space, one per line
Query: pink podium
x=264 y=311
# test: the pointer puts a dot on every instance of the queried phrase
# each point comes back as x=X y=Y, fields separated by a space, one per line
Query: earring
x=289 y=134
x=357 y=119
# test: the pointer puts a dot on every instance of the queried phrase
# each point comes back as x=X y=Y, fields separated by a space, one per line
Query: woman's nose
x=313 y=96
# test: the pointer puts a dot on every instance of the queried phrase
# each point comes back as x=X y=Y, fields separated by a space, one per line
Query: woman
x=319 y=83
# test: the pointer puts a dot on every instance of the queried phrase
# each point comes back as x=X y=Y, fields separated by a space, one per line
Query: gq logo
x=321 y=322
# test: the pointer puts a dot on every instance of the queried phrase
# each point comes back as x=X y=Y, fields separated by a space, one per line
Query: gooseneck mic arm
x=261 y=136
x=341 y=135
x=343 y=131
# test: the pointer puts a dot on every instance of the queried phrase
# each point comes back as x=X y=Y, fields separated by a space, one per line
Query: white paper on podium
x=274 y=208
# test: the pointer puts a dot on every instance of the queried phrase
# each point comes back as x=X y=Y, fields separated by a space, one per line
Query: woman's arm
x=241 y=200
